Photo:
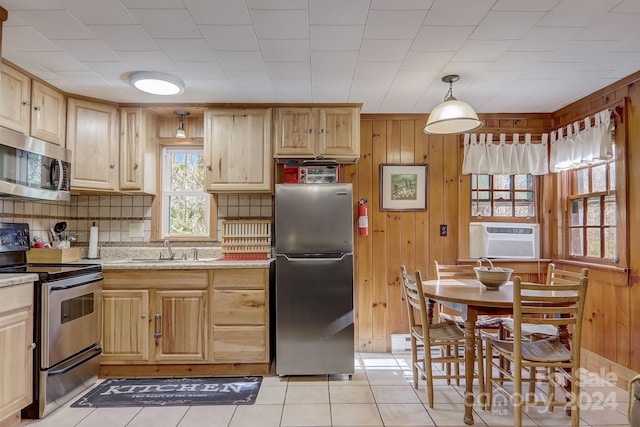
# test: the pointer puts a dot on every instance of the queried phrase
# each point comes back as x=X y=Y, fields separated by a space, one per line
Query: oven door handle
x=66 y=368
x=74 y=282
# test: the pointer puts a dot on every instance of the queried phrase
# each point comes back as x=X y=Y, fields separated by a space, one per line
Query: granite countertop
x=11 y=279
x=178 y=264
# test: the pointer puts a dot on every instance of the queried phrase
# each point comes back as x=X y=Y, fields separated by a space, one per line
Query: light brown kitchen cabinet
x=138 y=150
x=240 y=315
x=126 y=325
x=92 y=137
x=15 y=99
x=307 y=133
x=48 y=113
x=16 y=350
x=155 y=316
x=237 y=150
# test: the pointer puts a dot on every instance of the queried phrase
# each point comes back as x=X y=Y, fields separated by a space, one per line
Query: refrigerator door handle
x=306 y=258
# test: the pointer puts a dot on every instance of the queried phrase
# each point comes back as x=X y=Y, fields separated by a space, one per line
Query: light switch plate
x=136 y=229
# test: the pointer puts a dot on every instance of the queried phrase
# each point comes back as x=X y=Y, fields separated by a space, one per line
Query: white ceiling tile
x=36 y=69
x=52 y=61
x=437 y=38
x=200 y=70
x=627 y=6
x=289 y=70
x=240 y=61
x=369 y=92
x=330 y=91
x=110 y=70
x=332 y=75
x=385 y=50
x=280 y=24
x=468 y=71
x=218 y=12
x=393 y=24
x=23 y=38
x=230 y=37
x=336 y=37
x=293 y=90
x=252 y=94
x=124 y=37
x=31 y=4
x=626 y=26
x=525 y=5
x=376 y=70
x=285 y=50
x=153 y=4
x=505 y=25
x=482 y=50
x=167 y=23
x=458 y=12
x=186 y=49
x=147 y=60
x=99 y=12
x=333 y=61
x=55 y=24
x=540 y=39
x=577 y=13
x=338 y=12
x=249 y=79
x=400 y=4
x=277 y=4
x=425 y=61
x=514 y=61
x=88 y=50
x=83 y=78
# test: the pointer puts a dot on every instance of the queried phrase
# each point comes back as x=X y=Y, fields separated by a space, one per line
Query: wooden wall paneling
x=421 y=155
x=450 y=197
x=622 y=324
x=379 y=240
x=464 y=205
x=606 y=329
x=634 y=328
x=364 y=255
x=434 y=205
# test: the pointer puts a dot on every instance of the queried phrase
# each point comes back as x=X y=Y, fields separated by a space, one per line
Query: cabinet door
x=338 y=133
x=295 y=133
x=137 y=150
x=14 y=103
x=92 y=139
x=48 y=114
x=237 y=150
x=16 y=338
x=125 y=325
x=179 y=326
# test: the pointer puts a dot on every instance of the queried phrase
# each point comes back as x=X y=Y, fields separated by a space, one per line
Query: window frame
x=515 y=219
x=158 y=233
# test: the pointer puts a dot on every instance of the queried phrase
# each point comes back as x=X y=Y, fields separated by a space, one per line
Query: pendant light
x=452 y=116
x=180 y=133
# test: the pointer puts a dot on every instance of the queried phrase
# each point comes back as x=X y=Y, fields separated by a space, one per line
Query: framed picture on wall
x=403 y=187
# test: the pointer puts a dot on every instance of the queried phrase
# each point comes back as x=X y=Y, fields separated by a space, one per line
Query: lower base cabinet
x=16 y=351
x=185 y=317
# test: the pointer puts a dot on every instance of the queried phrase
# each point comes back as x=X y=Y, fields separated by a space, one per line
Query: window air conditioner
x=504 y=240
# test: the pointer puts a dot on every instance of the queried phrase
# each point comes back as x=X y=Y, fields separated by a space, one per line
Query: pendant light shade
x=452 y=116
x=180 y=133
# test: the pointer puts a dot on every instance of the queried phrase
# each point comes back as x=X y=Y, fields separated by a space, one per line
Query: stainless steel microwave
x=33 y=169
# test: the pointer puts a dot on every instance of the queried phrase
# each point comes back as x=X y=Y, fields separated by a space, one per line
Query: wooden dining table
x=471 y=298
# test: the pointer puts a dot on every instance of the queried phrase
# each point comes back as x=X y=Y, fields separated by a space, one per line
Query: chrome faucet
x=167 y=244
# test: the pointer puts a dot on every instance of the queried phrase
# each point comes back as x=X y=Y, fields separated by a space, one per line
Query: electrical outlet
x=443 y=230
x=136 y=229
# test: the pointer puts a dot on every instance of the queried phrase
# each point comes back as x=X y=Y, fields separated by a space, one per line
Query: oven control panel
x=14 y=237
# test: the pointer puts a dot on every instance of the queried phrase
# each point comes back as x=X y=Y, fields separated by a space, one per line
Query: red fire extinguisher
x=363 y=219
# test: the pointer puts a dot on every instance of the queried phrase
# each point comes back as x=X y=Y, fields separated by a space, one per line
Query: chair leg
x=517 y=398
x=429 y=375
x=448 y=367
x=489 y=376
x=414 y=361
x=456 y=367
x=480 y=362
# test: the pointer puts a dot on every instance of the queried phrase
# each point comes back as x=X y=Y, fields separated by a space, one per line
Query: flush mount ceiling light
x=182 y=114
x=156 y=83
x=452 y=116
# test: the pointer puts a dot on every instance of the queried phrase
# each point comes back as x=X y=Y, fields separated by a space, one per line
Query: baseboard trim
x=601 y=365
x=184 y=370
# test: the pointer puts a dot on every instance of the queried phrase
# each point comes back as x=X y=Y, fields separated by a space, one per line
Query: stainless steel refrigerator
x=314 y=279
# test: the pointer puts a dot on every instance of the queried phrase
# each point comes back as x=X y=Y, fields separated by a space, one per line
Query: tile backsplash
x=114 y=214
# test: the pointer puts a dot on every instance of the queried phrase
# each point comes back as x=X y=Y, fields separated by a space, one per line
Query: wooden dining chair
x=540 y=304
x=425 y=336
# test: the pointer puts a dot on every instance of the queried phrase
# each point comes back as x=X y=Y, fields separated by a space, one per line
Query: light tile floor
x=380 y=393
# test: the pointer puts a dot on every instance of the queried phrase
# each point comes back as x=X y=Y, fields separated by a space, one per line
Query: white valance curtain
x=572 y=147
x=483 y=156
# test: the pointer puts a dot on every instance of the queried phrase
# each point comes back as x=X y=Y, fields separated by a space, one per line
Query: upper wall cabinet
x=48 y=113
x=306 y=133
x=138 y=150
x=92 y=137
x=15 y=90
x=237 y=150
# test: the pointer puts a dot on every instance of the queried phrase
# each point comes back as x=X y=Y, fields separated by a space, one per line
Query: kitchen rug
x=119 y=392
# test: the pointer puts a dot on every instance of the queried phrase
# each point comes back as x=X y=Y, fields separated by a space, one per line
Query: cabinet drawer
x=239 y=307
x=16 y=297
x=251 y=278
x=240 y=344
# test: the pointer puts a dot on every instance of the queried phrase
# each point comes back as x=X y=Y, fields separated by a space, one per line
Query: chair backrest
x=550 y=304
x=462 y=271
x=555 y=276
x=416 y=302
